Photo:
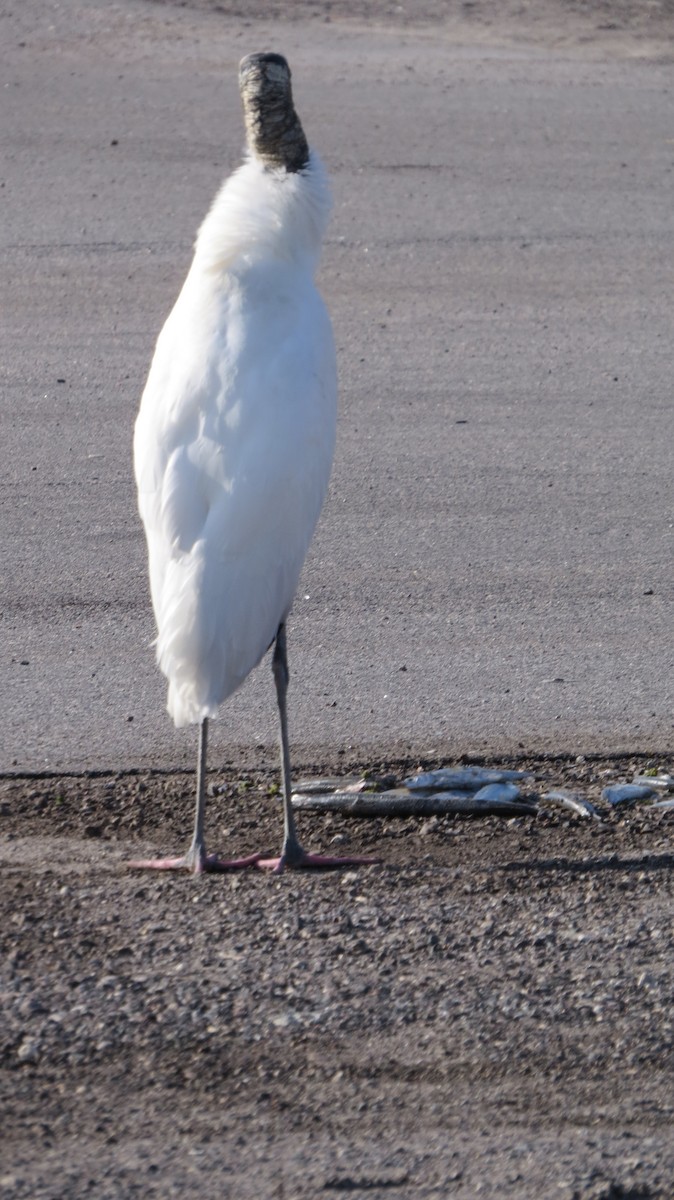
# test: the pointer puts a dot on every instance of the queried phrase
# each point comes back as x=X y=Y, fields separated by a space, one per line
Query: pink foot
x=304 y=861
x=198 y=865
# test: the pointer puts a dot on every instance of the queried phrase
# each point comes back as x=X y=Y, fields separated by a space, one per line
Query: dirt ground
x=622 y=27
x=544 y=20
x=486 y=1012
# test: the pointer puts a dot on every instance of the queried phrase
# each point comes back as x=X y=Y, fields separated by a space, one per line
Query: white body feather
x=235 y=435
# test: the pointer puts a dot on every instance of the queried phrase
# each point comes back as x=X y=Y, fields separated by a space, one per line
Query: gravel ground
x=487 y=1012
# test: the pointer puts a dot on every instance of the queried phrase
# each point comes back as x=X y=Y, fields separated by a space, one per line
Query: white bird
x=235 y=436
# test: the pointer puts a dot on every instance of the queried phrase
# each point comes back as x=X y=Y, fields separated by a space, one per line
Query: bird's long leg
x=293 y=853
x=197 y=860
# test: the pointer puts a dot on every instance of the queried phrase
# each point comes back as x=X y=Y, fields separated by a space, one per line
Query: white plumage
x=235 y=435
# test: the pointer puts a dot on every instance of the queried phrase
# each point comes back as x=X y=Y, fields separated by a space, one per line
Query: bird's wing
x=233 y=449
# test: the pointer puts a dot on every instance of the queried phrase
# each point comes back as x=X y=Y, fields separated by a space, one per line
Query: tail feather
x=185 y=645
x=212 y=631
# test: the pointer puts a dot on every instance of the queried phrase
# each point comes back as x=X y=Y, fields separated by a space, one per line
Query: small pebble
x=429 y=826
x=28 y=1051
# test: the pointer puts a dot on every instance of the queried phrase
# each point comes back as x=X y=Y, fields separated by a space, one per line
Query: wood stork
x=235 y=436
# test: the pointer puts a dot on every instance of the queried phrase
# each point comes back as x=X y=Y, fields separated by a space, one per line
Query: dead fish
x=627 y=793
x=370 y=804
x=310 y=787
x=663 y=783
x=489 y=802
x=401 y=803
x=498 y=791
x=663 y=804
x=462 y=779
x=572 y=801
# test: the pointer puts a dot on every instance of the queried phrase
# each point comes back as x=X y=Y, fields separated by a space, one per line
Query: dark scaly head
x=273 y=128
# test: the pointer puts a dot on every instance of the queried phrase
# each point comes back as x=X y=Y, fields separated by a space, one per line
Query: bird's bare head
x=273 y=128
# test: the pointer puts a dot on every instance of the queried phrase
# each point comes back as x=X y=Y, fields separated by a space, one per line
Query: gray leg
x=195 y=859
x=292 y=853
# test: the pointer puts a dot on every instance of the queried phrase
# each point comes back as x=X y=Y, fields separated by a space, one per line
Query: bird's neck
x=266 y=215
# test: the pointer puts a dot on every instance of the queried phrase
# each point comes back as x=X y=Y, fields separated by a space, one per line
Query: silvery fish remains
x=627 y=793
x=571 y=800
x=463 y=779
x=663 y=783
x=402 y=803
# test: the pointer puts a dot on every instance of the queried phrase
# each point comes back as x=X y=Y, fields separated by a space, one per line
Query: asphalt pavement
x=493 y=568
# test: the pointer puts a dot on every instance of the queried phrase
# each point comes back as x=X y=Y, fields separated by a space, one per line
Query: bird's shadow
x=596 y=866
